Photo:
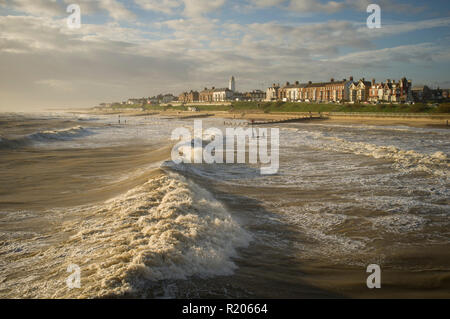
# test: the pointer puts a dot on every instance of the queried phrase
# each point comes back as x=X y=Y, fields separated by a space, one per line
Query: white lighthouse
x=232 y=85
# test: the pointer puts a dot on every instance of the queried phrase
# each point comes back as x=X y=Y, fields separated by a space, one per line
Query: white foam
x=408 y=160
x=318 y=223
x=167 y=229
x=398 y=223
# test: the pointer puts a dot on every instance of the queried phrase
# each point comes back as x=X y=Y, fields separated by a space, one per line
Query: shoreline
x=382 y=119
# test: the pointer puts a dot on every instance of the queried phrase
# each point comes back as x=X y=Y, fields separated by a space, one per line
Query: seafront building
x=359 y=91
x=189 y=97
x=342 y=91
x=222 y=95
x=272 y=92
x=391 y=91
x=333 y=91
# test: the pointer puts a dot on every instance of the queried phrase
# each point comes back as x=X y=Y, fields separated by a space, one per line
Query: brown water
x=88 y=191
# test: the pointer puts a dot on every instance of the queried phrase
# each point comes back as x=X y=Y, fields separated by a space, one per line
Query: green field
x=273 y=107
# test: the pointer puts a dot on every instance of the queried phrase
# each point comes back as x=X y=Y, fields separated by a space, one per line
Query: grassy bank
x=273 y=107
x=269 y=107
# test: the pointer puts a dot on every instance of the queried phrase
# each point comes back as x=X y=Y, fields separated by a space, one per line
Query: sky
x=140 y=48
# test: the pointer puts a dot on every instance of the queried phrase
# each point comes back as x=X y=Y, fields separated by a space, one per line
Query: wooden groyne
x=197 y=116
x=274 y=121
x=235 y=123
x=289 y=120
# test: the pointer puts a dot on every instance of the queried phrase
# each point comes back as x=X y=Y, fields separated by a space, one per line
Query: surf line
x=193 y=309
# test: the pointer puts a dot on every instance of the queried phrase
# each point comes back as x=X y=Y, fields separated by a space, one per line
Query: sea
x=96 y=200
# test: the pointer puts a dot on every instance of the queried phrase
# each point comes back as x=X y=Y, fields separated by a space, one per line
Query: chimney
x=297 y=83
x=213 y=87
x=373 y=82
x=287 y=83
x=206 y=89
x=309 y=82
x=332 y=79
x=351 y=78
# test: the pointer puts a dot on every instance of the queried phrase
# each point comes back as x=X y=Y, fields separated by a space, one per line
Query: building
x=421 y=93
x=232 y=84
x=291 y=92
x=255 y=95
x=222 y=95
x=359 y=91
x=206 y=95
x=333 y=91
x=272 y=92
x=376 y=92
x=141 y=101
x=391 y=91
x=310 y=92
x=188 y=97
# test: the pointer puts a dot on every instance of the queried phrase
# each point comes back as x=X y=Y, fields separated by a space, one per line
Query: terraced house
x=359 y=91
x=333 y=91
x=188 y=97
x=391 y=91
x=207 y=95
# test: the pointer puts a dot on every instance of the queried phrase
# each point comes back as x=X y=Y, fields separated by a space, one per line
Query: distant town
x=334 y=91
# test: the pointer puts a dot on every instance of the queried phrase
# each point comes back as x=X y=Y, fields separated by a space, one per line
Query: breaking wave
x=45 y=136
x=167 y=229
x=408 y=160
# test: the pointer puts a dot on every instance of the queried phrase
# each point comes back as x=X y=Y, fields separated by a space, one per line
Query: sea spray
x=167 y=229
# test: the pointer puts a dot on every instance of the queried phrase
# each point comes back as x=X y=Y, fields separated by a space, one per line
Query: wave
x=407 y=160
x=167 y=229
x=44 y=136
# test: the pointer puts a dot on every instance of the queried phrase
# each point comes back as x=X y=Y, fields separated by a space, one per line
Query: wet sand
x=418 y=120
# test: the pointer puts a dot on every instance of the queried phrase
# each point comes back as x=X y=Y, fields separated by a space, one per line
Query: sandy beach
x=386 y=119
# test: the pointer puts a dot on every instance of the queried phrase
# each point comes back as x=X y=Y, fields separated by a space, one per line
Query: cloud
x=116 y=9
x=50 y=65
x=36 y=7
x=192 y=8
x=164 y=6
x=316 y=6
x=329 y=7
x=398 y=28
x=266 y=3
x=422 y=53
x=57 y=8
x=387 y=6
x=196 y=8
x=56 y=84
